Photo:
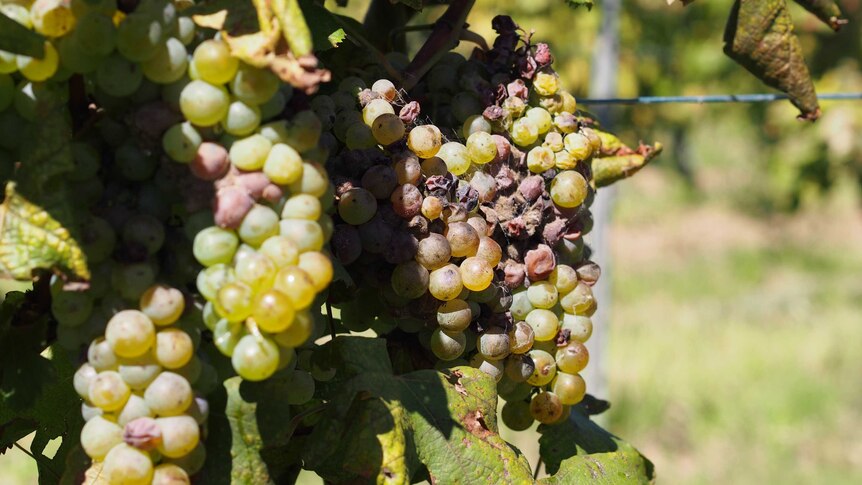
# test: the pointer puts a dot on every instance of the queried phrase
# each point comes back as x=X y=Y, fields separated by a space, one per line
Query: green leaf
x=30 y=238
x=759 y=35
x=18 y=39
x=326 y=32
x=247 y=466
x=450 y=418
x=580 y=450
x=414 y=4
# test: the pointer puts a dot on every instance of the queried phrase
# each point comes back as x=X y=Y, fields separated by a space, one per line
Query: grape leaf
x=326 y=32
x=451 y=418
x=609 y=169
x=601 y=469
x=582 y=3
x=18 y=39
x=759 y=36
x=32 y=238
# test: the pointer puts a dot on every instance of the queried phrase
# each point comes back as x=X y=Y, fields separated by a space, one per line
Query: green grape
x=127 y=465
x=546 y=407
x=445 y=283
x=108 y=391
x=540 y=159
x=456 y=157
x=82 y=378
x=254 y=85
x=168 y=64
x=570 y=388
x=133 y=164
x=465 y=105
x=564 y=278
x=281 y=250
x=578 y=145
x=72 y=308
x=524 y=132
x=494 y=368
x=275 y=105
x=118 y=77
x=32 y=99
x=476 y=274
x=493 y=344
x=578 y=301
x=475 y=124
x=304 y=131
x=546 y=84
x=168 y=473
x=241 y=119
x=234 y=301
x=352 y=85
x=519 y=367
x=410 y=280
x=136 y=407
x=425 y=141
x=169 y=394
x=545 y=324
x=283 y=164
x=319 y=268
x=374 y=109
x=306 y=235
x=181 y=142
x=385 y=88
x=256 y=270
x=211 y=279
x=296 y=285
x=273 y=311
x=180 y=435
x=580 y=327
x=489 y=251
x=568 y=189
x=214 y=63
x=89 y=412
x=191 y=371
x=302 y=206
x=516 y=415
x=173 y=349
x=521 y=305
x=454 y=316
x=226 y=334
x=260 y=223
x=162 y=304
x=39 y=69
x=448 y=346
x=481 y=147
x=359 y=137
x=101 y=356
x=298 y=332
x=463 y=239
x=19 y=13
x=387 y=129
x=130 y=333
x=314 y=180
x=433 y=251
x=545 y=367
x=521 y=338
x=255 y=359
x=344 y=121
x=74 y=57
x=302 y=388
x=99 y=436
x=215 y=245
x=139 y=372
x=204 y=104
x=8 y=63
x=185 y=30
x=542 y=294
x=357 y=206
x=541 y=118
x=139 y=36
x=250 y=153
x=572 y=358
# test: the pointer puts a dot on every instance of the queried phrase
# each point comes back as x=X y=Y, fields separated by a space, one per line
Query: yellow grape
x=273 y=312
x=234 y=301
x=476 y=274
x=318 y=266
x=297 y=285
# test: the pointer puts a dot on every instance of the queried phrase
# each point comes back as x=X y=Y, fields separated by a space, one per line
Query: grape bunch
x=143 y=416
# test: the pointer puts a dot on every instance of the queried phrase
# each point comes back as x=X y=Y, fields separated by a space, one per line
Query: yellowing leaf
x=31 y=238
x=211 y=21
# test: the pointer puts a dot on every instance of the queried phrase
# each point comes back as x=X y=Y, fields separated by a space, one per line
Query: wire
x=714 y=98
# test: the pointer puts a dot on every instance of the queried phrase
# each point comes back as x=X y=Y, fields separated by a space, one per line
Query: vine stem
x=331 y=321
x=31 y=455
x=447 y=31
x=538 y=467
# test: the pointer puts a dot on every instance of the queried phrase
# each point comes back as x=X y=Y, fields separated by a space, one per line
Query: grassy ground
x=736 y=343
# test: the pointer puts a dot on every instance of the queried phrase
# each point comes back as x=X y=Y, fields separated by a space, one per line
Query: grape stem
x=538 y=467
x=331 y=322
x=37 y=460
x=447 y=31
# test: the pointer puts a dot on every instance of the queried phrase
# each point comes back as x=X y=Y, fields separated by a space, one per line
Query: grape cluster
x=143 y=416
